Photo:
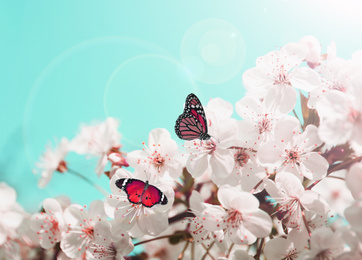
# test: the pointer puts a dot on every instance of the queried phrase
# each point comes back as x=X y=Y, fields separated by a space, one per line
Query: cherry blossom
x=53 y=160
x=353 y=244
x=239 y=217
x=159 y=156
x=213 y=155
x=110 y=245
x=324 y=245
x=197 y=223
x=292 y=151
x=280 y=71
x=286 y=248
x=248 y=169
x=82 y=227
x=98 y=140
x=289 y=193
x=335 y=74
x=340 y=115
x=313 y=47
x=50 y=224
x=335 y=191
x=12 y=214
x=149 y=220
x=259 y=117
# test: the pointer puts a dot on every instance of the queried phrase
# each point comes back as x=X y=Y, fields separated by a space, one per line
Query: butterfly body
x=192 y=123
x=140 y=192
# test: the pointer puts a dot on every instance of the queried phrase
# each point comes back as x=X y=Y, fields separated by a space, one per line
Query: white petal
x=290 y=184
x=309 y=139
x=258 y=222
x=137 y=157
x=74 y=215
x=153 y=223
x=241 y=235
x=156 y=136
x=272 y=153
x=286 y=130
x=96 y=210
x=316 y=166
x=222 y=162
x=285 y=98
x=233 y=198
x=197 y=165
x=277 y=248
x=354 y=180
x=126 y=216
x=213 y=217
x=314 y=48
x=251 y=176
x=305 y=79
x=173 y=168
x=248 y=107
x=292 y=55
x=269 y=61
x=312 y=201
x=72 y=245
x=257 y=79
x=272 y=189
x=52 y=206
x=221 y=108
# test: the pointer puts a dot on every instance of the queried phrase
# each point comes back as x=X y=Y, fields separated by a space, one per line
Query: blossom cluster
x=282 y=182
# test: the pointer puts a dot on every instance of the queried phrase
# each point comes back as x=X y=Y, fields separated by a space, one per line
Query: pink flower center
x=54 y=225
x=89 y=231
x=338 y=86
x=292 y=254
x=234 y=217
x=241 y=157
x=293 y=156
x=264 y=124
x=158 y=161
x=290 y=210
x=282 y=77
x=209 y=145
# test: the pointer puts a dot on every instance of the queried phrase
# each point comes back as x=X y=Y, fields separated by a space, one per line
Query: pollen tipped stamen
x=241 y=157
x=265 y=124
x=292 y=156
x=234 y=217
x=282 y=77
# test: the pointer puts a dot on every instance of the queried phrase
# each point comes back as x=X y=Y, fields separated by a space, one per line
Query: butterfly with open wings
x=140 y=192
x=192 y=123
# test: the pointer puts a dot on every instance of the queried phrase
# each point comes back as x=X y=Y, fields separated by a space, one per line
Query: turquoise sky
x=67 y=62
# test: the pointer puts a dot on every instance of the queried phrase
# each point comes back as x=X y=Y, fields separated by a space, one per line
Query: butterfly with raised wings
x=140 y=192
x=192 y=123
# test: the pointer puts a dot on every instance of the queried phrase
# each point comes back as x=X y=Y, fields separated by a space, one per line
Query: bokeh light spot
x=213 y=51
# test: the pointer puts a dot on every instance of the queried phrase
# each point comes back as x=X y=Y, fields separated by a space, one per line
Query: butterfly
x=140 y=192
x=192 y=123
